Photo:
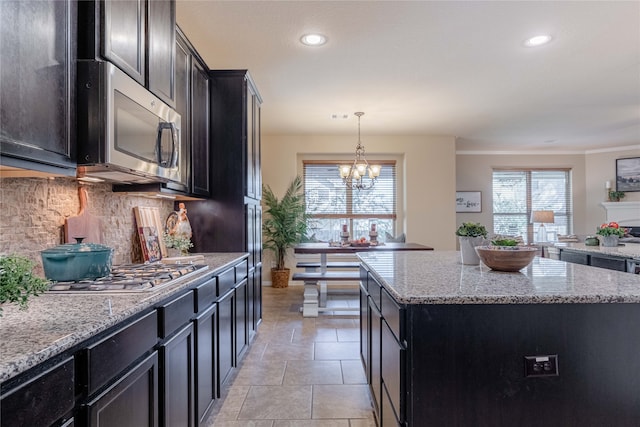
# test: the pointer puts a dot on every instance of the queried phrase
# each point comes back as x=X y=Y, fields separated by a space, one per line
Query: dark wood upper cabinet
x=138 y=36
x=161 y=37
x=199 y=129
x=37 y=85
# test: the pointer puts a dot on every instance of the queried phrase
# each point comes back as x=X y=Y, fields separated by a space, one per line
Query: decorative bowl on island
x=506 y=258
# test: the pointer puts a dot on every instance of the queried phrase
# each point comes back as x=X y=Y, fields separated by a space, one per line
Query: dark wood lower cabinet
x=132 y=401
x=176 y=356
x=225 y=338
x=241 y=324
x=376 y=356
x=205 y=362
x=365 y=331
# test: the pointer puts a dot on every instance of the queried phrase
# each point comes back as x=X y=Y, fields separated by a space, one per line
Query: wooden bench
x=310 y=266
x=317 y=281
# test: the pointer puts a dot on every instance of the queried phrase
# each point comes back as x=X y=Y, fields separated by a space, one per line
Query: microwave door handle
x=175 y=145
x=161 y=127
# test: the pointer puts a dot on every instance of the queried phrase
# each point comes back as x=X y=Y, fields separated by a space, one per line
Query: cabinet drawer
x=42 y=400
x=174 y=314
x=574 y=257
x=226 y=281
x=241 y=271
x=392 y=353
x=389 y=416
x=391 y=312
x=374 y=289
x=611 y=263
x=110 y=356
x=205 y=294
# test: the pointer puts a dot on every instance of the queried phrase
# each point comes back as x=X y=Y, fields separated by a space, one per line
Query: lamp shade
x=542 y=217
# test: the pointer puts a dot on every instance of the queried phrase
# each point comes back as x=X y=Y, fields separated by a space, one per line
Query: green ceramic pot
x=77 y=261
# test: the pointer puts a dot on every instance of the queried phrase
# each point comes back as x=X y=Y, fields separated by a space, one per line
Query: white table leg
x=310 y=305
x=323 y=293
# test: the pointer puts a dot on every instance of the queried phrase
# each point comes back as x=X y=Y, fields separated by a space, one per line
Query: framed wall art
x=628 y=174
x=468 y=201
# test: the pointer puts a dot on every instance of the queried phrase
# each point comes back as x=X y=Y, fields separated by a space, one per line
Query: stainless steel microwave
x=125 y=133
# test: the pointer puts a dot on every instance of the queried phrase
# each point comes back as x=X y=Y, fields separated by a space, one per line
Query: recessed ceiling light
x=313 y=39
x=537 y=40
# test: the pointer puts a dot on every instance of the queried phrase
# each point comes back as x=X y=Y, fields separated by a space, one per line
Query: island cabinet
x=457 y=361
x=138 y=36
x=38 y=99
x=594 y=259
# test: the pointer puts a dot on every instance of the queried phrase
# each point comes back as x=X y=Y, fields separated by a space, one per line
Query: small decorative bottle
x=373 y=235
x=344 y=235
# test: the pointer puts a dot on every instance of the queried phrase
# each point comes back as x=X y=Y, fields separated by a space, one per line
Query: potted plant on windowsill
x=284 y=226
x=470 y=235
x=610 y=233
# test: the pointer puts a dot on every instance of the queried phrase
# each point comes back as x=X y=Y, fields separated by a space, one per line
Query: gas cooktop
x=127 y=278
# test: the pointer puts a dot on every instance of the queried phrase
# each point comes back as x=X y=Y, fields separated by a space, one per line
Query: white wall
x=427 y=170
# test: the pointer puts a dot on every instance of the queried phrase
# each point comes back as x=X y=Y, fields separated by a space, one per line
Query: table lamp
x=542 y=217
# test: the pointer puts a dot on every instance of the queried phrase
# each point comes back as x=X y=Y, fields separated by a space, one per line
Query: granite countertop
x=629 y=250
x=438 y=277
x=56 y=322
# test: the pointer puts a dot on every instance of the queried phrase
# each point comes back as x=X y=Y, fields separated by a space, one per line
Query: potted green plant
x=17 y=281
x=284 y=226
x=616 y=196
x=470 y=235
x=610 y=233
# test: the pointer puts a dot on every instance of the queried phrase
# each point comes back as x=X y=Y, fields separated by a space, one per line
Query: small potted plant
x=616 y=196
x=284 y=226
x=610 y=233
x=178 y=242
x=470 y=235
x=17 y=281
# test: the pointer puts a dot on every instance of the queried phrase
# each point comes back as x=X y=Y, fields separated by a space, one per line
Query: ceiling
x=455 y=68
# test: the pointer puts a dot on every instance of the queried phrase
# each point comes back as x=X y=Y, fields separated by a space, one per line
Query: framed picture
x=628 y=174
x=468 y=201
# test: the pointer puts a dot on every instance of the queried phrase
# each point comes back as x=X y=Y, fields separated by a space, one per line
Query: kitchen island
x=447 y=344
x=82 y=356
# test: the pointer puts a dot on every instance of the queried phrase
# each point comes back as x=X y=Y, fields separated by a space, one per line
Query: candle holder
x=344 y=238
x=373 y=237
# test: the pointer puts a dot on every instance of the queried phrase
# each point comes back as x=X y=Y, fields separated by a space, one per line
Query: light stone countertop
x=56 y=322
x=438 y=277
x=629 y=250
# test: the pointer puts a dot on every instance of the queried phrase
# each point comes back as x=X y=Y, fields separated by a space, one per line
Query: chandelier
x=359 y=175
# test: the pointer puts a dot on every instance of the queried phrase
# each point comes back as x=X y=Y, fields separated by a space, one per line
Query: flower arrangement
x=178 y=241
x=610 y=229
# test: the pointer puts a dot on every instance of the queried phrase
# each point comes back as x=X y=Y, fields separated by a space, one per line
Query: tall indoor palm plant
x=284 y=226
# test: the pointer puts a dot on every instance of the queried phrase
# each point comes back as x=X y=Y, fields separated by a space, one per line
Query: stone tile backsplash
x=33 y=212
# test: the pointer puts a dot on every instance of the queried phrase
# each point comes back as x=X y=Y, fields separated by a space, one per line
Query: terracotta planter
x=280 y=278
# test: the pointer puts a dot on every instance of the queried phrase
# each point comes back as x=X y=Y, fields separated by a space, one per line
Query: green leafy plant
x=471 y=229
x=616 y=195
x=504 y=242
x=183 y=244
x=17 y=281
x=285 y=223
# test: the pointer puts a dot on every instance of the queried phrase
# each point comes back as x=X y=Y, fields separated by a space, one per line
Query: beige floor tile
x=337 y=351
x=349 y=334
x=311 y=423
x=313 y=372
x=315 y=335
x=341 y=401
x=277 y=403
x=261 y=372
x=243 y=423
x=291 y=351
x=363 y=422
x=353 y=372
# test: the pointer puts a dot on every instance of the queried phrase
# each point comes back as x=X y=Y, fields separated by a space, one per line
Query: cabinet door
x=241 y=326
x=376 y=354
x=177 y=379
x=132 y=401
x=611 y=263
x=199 y=129
x=392 y=368
x=574 y=257
x=182 y=82
x=37 y=81
x=257 y=150
x=205 y=362
x=365 y=332
x=42 y=400
x=249 y=141
x=250 y=212
x=162 y=43
x=123 y=35
x=225 y=338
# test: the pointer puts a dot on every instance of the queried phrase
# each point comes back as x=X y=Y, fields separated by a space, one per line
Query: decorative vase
x=280 y=278
x=609 y=241
x=468 y=249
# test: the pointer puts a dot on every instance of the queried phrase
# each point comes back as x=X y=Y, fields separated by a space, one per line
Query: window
x=330 y=204
x=516 y=193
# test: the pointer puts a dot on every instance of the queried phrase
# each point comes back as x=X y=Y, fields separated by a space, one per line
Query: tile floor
x=299 y=372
